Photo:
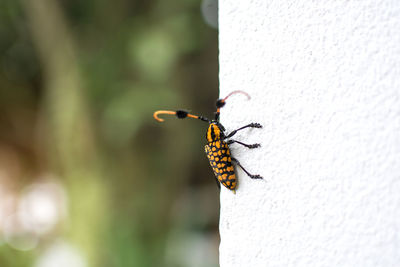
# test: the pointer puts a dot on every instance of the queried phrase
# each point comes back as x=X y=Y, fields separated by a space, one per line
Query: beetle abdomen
x=219 y=155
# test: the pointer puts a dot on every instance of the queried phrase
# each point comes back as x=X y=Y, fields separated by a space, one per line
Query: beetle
x=217 y=147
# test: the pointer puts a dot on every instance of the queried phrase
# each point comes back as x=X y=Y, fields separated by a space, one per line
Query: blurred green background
x=87 y=176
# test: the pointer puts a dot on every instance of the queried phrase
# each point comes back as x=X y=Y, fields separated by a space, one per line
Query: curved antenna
x=237 y=92
x=181 y=114
x=221 y=102
x=155 y=114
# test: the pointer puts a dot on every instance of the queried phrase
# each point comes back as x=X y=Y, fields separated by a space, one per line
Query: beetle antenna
x=181 y=114
x=221 y=102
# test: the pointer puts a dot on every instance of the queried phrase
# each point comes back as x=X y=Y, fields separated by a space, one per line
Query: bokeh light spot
x=61 y=254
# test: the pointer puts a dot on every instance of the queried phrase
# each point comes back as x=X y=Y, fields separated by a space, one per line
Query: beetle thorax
x=214 y=132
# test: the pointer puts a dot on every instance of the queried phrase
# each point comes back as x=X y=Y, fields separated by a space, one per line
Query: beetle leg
x=243 y=144
x=252 y=176
x=252 y=125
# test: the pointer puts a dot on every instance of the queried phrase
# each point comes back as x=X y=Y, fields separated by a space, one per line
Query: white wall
x=324 y=77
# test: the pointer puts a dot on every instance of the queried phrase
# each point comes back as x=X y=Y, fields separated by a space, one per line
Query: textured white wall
x=324 y=77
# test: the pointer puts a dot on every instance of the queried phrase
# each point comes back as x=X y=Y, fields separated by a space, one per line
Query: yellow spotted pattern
x=219 y=155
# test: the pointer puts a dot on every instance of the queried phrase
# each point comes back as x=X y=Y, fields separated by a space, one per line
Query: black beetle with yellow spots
x=217 y=148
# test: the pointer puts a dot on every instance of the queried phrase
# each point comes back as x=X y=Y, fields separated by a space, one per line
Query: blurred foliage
x=79 y=81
